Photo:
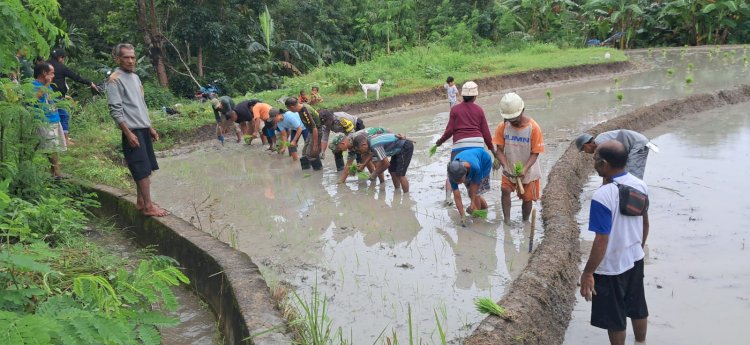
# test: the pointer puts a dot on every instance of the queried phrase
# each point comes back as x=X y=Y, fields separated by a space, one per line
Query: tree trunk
x=200 y=62
x=152 y=39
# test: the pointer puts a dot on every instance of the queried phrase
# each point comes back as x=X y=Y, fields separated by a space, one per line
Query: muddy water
x=697 y=278
x=375 y=252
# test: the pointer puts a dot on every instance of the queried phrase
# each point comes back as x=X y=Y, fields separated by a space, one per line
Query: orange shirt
x=537 y=142
x=262 y=111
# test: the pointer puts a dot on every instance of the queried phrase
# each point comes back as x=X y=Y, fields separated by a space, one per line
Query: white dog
x=372 y=87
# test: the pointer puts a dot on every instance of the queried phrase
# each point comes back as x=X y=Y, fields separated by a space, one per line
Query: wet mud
x=696 y=278
x=375 y=253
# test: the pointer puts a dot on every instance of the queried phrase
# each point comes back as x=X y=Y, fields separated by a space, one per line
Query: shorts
x=531 y=190
x=141 y=160
x=268 y=130
x=484 y=185
x=53 y=137
x=65 y=119
x=618 y=297
x=637 y=162
x=400 y=162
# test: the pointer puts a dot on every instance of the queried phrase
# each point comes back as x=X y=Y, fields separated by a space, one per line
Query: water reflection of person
x=382 y=223
x=476 y=259
x=516 y=248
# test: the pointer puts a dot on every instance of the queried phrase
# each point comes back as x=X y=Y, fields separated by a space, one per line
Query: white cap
x=511 y=105
x=470 y=88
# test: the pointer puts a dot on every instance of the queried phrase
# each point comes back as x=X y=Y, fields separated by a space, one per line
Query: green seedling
x=690 y=66
x=617 y=81
x=663 y=52
x=620 y=96
x=433 y=149
x=248 y=138
x=518 y=168
x=363 y=175
x=487 y=306
x=352 y=169
x=479 y=214
x=670 y=72
x=744 y=60
x=306 y=175
x=549 y=94
x=689 y=79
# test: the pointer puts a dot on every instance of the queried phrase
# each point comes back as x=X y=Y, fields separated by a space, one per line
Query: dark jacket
x=62 y=72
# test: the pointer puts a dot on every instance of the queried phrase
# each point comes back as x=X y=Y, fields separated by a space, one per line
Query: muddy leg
x=526 y=210
x=505 y=202
x=404 y=183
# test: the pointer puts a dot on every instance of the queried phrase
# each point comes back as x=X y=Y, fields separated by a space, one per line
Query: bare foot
x=69 y=142
x=155 y=211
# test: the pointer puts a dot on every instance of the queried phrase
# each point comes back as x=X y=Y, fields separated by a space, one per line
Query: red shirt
x=467 y=120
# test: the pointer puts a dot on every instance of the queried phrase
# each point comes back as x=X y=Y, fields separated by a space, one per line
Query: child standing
x=315 y=98
x=451 y=90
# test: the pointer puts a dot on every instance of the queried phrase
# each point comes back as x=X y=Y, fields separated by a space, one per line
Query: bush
x=157 y=96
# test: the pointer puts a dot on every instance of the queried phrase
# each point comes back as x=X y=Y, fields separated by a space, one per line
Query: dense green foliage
x=248 y=46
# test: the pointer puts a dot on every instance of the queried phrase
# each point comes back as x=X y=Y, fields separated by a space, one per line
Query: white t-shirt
x=625 y=232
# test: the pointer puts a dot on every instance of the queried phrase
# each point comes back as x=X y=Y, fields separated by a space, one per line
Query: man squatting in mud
x=613 y=277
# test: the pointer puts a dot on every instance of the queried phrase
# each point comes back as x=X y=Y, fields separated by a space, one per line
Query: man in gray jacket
x=635 y=143
x=128 y=108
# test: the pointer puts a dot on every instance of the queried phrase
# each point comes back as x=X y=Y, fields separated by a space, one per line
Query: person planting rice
x=263 y=112
x=225 y=117
x=518 y=140
x=467 y=125
x=243 y=114
x=341 y=143
x=635 y=143
x=382 y=146
x=311 y=120
x=291 y=128
x=471 y=167
x=338 y=122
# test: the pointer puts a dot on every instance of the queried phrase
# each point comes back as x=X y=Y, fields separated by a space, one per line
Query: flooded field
x=696 y=276
x=376 y=253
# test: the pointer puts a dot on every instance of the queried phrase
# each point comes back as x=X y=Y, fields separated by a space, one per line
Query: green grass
x=424 y=68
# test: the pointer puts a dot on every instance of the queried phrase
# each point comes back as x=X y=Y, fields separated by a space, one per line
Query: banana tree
x=623 y=14
x=291 y=50
x=723 y=16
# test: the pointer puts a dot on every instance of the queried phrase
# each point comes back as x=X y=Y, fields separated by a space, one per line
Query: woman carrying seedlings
x=519 y=142
x=467 y=125
x=471 y=167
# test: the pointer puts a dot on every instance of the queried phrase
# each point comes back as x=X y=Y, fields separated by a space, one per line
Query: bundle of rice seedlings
x=433 y=149
x=479 y=213
x=248 y=138
x=352 y=169
x=363 y=175
x=518 y=168
x=487 y=306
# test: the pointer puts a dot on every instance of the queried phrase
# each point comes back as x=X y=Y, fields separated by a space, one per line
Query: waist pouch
x=632 y=201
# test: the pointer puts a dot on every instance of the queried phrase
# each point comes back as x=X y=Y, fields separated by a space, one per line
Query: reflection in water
x=375 y=252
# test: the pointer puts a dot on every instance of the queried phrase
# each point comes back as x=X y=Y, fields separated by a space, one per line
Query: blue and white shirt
x=625 y=232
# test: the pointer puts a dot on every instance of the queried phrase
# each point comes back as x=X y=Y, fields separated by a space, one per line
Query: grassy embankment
x=97 y=153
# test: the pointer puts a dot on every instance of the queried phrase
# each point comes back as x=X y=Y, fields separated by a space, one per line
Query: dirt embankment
x=542 y=298
x=492 y=84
